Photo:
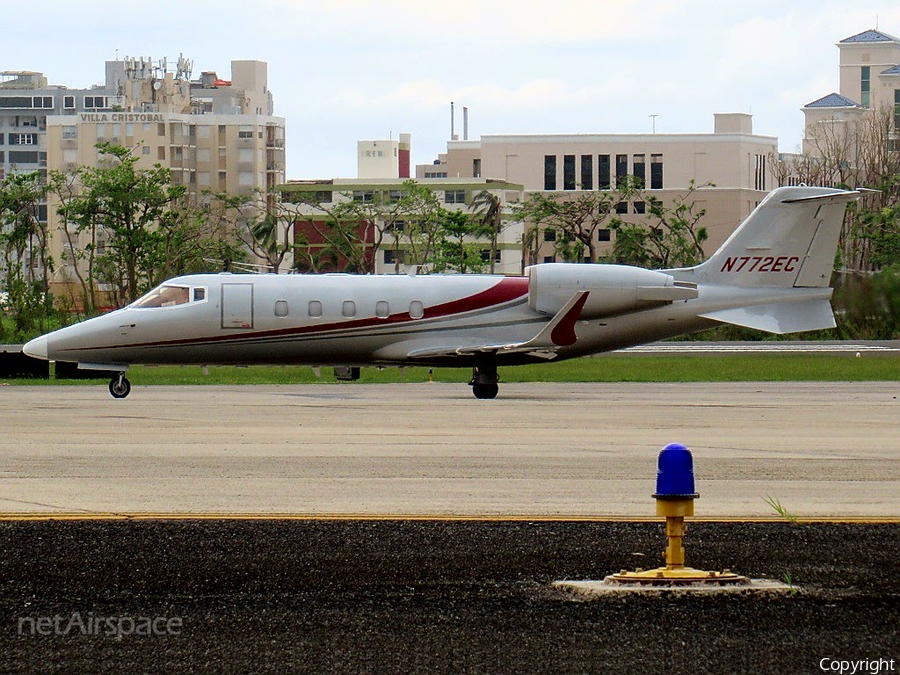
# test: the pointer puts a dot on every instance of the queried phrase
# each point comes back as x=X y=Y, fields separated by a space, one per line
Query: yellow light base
x=662 y=576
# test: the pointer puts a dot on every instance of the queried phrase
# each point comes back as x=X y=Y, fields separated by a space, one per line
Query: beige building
x=731 y=158
x=869 y=74
x=383 y=159
x=213 y=134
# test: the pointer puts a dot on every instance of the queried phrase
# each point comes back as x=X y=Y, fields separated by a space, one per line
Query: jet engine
x=615 y=289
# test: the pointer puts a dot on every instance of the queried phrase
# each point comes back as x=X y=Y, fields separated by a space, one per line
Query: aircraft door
x=237 y=306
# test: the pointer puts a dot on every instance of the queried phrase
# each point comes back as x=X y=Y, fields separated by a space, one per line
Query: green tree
x=25 y=248
x=488 y=206
x=574 y=217
x=136 y=210
x=454 y=250
x=672 y=237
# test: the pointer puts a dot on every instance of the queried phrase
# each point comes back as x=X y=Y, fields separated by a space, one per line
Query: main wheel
x=119 y=387
x=485 y=390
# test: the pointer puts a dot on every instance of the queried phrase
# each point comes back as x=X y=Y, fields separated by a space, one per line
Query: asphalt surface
x=558 y=449
x=277 y=596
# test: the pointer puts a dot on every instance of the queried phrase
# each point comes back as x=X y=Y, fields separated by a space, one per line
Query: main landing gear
x=484 y=381
x=119 y=387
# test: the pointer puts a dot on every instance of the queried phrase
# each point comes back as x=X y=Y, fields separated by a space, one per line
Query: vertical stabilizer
x=788 y=241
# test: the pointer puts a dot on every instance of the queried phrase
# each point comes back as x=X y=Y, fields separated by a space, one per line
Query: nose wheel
x=119 y=386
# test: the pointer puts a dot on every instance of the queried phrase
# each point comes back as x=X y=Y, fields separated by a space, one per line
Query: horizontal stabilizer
x=781 y=317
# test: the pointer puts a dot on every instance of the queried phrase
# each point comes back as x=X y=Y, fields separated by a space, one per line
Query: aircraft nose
x=37 y=348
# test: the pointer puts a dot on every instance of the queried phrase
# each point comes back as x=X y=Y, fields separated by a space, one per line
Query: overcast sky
x=347 y=70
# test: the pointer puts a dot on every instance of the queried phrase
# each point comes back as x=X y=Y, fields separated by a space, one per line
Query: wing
x=558 y=332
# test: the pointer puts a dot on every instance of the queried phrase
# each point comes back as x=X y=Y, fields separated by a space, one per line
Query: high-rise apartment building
x=213 y=134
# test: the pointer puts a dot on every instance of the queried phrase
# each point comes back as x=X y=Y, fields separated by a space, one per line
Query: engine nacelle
x=615 y=289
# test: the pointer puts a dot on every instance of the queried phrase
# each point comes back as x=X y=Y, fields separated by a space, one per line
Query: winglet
x=560 y=331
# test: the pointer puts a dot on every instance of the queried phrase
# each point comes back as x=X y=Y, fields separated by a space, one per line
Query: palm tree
x=489 y=208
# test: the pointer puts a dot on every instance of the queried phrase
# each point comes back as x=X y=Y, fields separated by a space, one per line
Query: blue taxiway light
x=675 y=474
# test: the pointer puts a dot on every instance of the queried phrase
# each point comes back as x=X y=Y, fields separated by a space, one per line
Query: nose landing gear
x=119 y=386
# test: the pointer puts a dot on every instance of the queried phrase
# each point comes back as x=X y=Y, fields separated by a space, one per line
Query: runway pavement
x=820 y=449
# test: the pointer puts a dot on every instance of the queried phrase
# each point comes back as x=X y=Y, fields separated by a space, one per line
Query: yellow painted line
x=490 y=518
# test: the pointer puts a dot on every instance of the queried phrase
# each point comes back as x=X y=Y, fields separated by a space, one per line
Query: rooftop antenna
x=653 y=117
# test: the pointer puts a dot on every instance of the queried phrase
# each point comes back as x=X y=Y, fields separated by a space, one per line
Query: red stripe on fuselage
x=506 y=290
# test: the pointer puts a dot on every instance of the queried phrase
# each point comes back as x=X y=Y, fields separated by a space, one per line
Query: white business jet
x=772 y=274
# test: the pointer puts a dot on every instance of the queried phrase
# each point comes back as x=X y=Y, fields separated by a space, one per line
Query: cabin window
x=348 y=309
x=416 y=309
x=199 y=294
x=315 y=308
x=164 y=296
x=281 y=308
x=382 y=309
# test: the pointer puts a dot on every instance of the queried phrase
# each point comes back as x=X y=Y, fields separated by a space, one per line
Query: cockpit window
x=164 y=296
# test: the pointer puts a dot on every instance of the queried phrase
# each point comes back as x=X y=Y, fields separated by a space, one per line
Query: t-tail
x=778 y=262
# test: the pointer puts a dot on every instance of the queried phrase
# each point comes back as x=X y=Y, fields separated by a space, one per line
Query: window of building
x=315 y=308
x=656 y=172
x=896 y=109
x=96 y=103
x=486 y=255
x=69 y=102
x=454 y=196
x=549 y=259
x=476 y=168
x=70 y=132
x=22 y=139
x=568 y=172
x=622 y=207
x=39 y=102
x=640 y=207
x=22 y=157
x=621 y=169
x=759 y=174
x=363 y=196
x=549 y=235
x=549 y=172
x=604 y=234
x=603 y=172
x=161 y=153
x=639 y=170
x=382 y=309
x=865 y=86
x=245 y=131
x=587 y=172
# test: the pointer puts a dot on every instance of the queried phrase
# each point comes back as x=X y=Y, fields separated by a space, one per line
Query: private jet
x=773 y=273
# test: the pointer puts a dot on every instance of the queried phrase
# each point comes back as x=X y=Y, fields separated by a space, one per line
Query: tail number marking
x=758 y=263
